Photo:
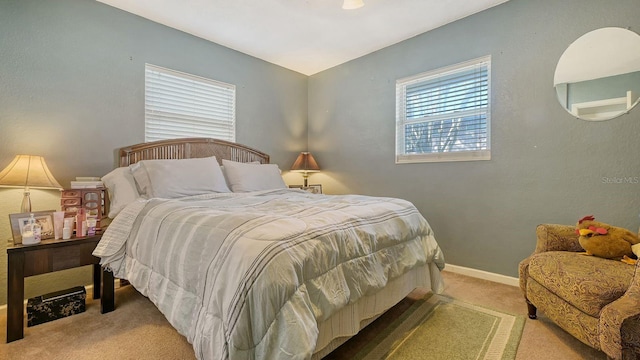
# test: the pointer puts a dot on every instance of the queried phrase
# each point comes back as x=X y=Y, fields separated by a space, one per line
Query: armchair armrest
x=554 y=237
x=551 y=237
x=620 y=323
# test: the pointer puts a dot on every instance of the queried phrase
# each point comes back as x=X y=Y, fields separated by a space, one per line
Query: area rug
x=440 y=327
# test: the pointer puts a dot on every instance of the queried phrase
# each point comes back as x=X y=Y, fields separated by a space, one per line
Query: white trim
x=401 y=157
x=446 y=70
x=605 y=109
x=481 y=274
x=189 y=76
x=444 y=156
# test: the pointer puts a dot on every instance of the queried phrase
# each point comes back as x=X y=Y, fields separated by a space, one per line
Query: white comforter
x=246 y=276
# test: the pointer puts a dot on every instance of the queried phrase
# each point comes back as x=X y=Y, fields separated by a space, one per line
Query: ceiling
x=599 y=54
x=306 y=36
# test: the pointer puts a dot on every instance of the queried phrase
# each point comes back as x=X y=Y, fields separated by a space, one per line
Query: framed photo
x=314 y=189
x=18 y=221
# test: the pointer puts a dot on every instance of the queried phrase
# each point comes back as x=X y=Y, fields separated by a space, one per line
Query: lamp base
x=26 y=202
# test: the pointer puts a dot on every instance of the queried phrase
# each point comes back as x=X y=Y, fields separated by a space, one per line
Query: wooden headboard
x=188 y=148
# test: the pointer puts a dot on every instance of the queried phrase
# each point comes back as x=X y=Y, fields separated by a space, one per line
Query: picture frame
x=18 y=221
x=314 y=189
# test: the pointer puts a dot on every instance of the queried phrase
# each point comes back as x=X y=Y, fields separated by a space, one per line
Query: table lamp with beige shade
x=28 y=172
x=305 y=164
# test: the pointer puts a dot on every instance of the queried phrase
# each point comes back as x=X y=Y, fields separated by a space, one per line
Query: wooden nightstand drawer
x=69 y=255
x=65 y=258
x=46 y=261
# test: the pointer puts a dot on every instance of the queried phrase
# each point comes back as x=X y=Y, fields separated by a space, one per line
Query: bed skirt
x=347 y=322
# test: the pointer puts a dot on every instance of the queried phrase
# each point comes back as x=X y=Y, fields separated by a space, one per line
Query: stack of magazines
x=87 y=182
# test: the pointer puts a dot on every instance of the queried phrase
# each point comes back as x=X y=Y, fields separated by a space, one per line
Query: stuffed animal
x=604 y=240
x=636 y=250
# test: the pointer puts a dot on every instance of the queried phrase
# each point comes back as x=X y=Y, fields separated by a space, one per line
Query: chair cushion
x=586 y=282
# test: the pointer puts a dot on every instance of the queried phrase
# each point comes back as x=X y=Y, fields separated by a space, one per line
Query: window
x=183 y=105
x=444 y=115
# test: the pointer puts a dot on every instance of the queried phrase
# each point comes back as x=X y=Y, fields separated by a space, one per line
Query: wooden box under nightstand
x=49 y=256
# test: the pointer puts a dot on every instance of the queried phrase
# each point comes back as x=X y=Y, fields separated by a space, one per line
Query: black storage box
x=56 y=305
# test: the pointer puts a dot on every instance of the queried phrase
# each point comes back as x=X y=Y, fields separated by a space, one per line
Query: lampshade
x=352 y=4
x=305 y=163
x=28 y=171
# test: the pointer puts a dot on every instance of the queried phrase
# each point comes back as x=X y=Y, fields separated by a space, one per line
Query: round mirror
x=598 y=76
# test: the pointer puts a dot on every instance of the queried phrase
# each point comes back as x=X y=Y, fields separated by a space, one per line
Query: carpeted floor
x=137 y=330
x=541 y=338
x=446 y=328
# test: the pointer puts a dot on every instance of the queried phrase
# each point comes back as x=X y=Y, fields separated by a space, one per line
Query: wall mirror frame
x=598 y=76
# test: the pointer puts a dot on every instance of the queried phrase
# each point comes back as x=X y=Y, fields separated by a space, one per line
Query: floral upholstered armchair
x=596 y=300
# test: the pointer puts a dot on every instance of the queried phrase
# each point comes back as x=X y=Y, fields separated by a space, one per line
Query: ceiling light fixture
x=352 y=4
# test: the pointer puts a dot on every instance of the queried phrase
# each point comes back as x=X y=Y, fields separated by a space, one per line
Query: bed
x=254 y=270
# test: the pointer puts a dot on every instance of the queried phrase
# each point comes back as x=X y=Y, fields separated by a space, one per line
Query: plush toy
x=636 y=250
x=604 y=240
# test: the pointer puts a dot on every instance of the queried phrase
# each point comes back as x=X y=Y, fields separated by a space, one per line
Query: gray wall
x=72 y=90
x=546 y=166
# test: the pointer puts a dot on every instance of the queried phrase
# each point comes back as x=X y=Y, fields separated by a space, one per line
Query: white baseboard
x=481 y=274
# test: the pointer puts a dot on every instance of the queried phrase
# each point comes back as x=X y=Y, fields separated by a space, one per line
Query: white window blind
x=182 y=105
x=444 y=115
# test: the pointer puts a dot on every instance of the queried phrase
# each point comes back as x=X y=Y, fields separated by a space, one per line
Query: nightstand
x=49 y=256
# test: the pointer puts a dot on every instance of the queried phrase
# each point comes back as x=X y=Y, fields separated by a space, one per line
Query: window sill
x=444 y=157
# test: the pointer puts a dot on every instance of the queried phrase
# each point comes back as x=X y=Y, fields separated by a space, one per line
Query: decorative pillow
x=177 y=178
x=121 y=188
x=243 y=177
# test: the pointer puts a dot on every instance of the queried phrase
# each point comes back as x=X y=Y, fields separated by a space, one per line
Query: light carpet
x=138 y=331
x=439 y=327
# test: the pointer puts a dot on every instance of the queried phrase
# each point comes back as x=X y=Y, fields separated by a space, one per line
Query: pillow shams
x=243 y=177
x=178 y=178
x=121 y=188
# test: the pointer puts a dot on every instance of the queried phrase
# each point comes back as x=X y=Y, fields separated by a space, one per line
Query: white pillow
x=121 y=188
x=178 y=178
x=244 y=177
